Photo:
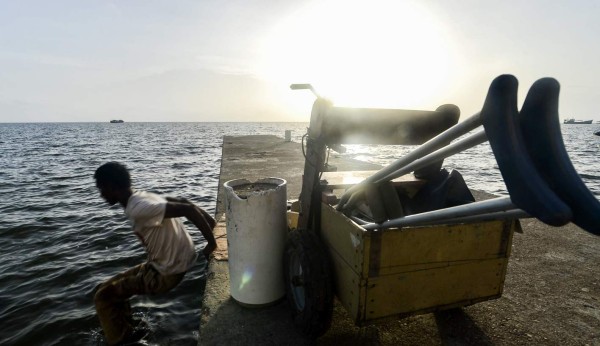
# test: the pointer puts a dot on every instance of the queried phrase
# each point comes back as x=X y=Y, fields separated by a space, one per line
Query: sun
x=359 y=53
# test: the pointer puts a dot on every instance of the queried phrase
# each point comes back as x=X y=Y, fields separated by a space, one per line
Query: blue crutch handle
x=526 y=187
x=543 y=140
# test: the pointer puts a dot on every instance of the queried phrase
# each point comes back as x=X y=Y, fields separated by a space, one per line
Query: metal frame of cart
x=391 y=273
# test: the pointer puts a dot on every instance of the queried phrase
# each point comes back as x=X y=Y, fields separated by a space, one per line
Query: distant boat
x=573 y=121
x=597 y=133
x=116 y=121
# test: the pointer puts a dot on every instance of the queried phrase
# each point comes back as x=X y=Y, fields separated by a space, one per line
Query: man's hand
x=208 y=249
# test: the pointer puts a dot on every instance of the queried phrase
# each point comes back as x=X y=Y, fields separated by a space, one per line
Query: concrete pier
x=551 y=294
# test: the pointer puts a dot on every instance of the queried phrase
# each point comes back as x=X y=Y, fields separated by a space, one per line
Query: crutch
x=526 y=188
x=539 y=114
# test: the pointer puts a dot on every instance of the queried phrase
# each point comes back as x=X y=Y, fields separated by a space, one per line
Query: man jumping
x=170 y=248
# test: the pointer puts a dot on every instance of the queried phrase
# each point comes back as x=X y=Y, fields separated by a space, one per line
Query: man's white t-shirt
x=170 y=248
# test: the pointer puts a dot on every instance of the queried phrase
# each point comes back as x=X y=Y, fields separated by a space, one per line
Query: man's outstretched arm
x=196 y=216
x=211 y=220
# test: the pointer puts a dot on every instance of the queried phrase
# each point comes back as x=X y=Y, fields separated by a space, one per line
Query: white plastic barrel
x=288 y=135
x=256 y=234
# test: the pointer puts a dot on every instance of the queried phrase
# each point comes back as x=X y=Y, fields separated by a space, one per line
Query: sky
x=204 y=60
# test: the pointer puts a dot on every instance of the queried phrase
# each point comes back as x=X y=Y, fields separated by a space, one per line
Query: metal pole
x=463 y=144
x=500 y=204
x=428 y=147
x=437 y=155
x=500 y=215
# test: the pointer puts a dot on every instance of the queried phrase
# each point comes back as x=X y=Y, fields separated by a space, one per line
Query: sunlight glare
x=377 y=53
x=246 y=277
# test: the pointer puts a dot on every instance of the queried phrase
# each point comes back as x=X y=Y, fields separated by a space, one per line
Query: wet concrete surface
x=551 y=293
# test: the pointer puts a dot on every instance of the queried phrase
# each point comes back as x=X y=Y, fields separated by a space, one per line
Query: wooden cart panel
x=413 y=270
x=433 y=289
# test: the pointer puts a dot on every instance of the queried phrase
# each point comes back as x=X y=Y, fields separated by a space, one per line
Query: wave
x=589 y=176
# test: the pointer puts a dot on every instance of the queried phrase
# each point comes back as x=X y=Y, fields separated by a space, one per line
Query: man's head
x=113 y=181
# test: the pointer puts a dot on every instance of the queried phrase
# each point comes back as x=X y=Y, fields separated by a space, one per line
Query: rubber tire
x=315 y=288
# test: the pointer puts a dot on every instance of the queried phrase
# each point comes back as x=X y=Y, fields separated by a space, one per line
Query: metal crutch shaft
x=484 y=207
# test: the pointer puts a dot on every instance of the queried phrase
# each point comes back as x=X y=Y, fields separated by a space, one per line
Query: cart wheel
x=308 y=283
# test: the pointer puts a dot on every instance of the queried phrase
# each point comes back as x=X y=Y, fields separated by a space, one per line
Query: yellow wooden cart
x=390 y=273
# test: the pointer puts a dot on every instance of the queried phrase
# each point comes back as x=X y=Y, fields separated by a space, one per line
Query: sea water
x=59 y=239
